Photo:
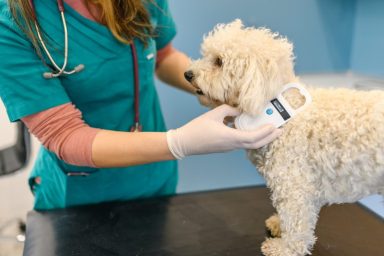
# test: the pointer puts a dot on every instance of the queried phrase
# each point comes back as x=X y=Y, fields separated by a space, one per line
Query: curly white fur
x=331 y=153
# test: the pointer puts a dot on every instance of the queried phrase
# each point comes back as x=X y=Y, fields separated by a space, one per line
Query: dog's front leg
x=298 y=212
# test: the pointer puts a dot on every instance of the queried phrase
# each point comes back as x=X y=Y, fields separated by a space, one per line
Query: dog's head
x=242 y=67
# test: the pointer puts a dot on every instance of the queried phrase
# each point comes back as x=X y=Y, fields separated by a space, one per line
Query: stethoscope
x=59 y=71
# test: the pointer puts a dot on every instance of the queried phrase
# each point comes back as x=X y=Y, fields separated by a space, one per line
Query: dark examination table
x=226 y=222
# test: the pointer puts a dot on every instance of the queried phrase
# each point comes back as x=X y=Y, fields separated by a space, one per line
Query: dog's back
x=337 y=144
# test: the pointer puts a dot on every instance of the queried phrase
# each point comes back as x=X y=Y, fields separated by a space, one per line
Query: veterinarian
x=80 y=75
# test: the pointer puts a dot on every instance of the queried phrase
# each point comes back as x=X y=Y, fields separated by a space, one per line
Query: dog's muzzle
x=189 y=77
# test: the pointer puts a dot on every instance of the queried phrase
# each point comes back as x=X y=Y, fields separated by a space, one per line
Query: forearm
x=117 y=149
x=62 y=131
x=171 y=71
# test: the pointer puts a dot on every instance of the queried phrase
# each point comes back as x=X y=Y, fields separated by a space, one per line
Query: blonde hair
x=126 y=19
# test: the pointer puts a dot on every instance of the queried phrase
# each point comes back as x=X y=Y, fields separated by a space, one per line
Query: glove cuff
x=174 y=144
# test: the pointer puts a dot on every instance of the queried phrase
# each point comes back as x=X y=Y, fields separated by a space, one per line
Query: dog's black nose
x=188 y=75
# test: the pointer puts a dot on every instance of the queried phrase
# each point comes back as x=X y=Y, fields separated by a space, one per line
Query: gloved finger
x=266 y=140
x=251 y=137
x=223 y=111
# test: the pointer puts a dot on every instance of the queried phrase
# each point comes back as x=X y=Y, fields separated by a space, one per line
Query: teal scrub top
x=103 y=92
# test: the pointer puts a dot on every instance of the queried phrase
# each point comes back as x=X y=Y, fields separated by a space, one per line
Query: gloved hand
x=208 y=134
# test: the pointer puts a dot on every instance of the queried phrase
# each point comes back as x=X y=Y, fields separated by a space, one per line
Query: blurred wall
x=368 y=38
x=321 y=30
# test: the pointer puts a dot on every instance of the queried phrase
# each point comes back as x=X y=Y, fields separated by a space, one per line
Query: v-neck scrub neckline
x=96 y=25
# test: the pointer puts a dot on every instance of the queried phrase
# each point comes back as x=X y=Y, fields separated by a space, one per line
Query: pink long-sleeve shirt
x=61 y=129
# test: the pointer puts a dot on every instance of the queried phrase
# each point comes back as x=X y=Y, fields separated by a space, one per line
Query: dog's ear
x=255 y=86
x=285 y=60
x=267 y=70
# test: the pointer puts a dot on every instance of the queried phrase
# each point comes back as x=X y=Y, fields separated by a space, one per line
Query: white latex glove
x=208 y=134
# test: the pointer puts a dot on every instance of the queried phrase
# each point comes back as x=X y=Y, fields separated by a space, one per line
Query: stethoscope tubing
x=136 y=83
x=61 y=70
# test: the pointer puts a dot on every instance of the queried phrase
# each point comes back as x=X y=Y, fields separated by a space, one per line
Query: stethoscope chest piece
x=58 y=71
x=136 y=128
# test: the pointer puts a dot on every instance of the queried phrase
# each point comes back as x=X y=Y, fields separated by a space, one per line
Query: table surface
x=226 y=222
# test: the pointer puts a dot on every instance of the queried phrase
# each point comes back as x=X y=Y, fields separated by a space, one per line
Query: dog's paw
x=274 y=247
x=282 y=247
x=273 y=225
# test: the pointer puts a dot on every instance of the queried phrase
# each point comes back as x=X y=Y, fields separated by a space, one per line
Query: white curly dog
x=333 y=152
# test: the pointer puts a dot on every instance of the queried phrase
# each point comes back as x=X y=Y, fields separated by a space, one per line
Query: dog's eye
x=218 y=62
